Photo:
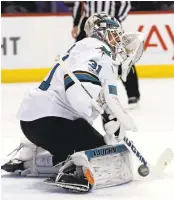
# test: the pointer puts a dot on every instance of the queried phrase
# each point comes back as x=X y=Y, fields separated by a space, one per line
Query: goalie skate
x=70 y=182
x=133 y=103
x=14 y=165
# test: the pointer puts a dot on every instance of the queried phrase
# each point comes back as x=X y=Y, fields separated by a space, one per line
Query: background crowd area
x=67 y=6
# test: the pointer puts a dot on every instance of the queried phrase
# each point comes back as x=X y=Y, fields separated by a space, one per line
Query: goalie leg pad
x=112 y=165
x=95 y=168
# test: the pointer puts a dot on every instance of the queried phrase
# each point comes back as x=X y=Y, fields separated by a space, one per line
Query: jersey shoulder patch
x=104 y=50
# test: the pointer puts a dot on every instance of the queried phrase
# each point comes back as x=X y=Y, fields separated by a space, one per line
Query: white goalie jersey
x=58 y=96
x=91 y=62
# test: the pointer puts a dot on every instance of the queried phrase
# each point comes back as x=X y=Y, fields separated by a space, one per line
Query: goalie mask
x=106 y=29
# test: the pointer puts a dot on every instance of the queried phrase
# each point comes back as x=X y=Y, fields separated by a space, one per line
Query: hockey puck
x=143 y=170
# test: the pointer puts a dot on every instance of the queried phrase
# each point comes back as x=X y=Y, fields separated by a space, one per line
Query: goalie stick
x=164 y=159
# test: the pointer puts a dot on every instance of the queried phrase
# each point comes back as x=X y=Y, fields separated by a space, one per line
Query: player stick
x=164 y=159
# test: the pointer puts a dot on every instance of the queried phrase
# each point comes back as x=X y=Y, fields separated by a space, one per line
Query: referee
x=118 y=9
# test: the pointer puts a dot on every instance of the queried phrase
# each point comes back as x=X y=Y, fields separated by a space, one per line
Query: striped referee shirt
x=117 y=9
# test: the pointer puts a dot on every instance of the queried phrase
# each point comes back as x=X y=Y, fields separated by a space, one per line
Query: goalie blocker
x=95 y=168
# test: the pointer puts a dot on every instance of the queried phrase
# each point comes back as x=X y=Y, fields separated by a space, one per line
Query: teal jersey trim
x=112 y=89
x=82 y=77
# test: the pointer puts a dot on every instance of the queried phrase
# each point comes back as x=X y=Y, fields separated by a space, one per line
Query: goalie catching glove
x=130 y=52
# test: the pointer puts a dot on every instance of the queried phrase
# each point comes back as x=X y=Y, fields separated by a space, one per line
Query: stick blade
x=165 y=158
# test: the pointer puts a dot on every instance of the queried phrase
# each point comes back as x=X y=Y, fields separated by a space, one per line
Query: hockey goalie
x=57 y=117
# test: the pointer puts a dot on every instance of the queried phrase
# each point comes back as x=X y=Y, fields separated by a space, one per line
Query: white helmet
x=105 y=28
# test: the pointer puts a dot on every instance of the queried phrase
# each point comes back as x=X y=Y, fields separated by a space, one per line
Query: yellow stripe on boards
x=37 y=74
x=23 y=75
x=155 y=71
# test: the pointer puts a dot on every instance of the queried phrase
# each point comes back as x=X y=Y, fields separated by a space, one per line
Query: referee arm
x=77 y=11
x=123 y=10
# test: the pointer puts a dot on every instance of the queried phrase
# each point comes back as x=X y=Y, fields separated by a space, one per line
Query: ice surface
x=154 y=119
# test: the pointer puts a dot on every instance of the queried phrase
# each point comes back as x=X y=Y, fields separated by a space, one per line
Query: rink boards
x=30 y=44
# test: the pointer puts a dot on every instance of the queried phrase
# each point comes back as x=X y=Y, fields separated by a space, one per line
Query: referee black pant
x=131 y=84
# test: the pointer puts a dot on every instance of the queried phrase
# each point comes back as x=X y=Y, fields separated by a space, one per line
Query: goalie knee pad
x=30 y=160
